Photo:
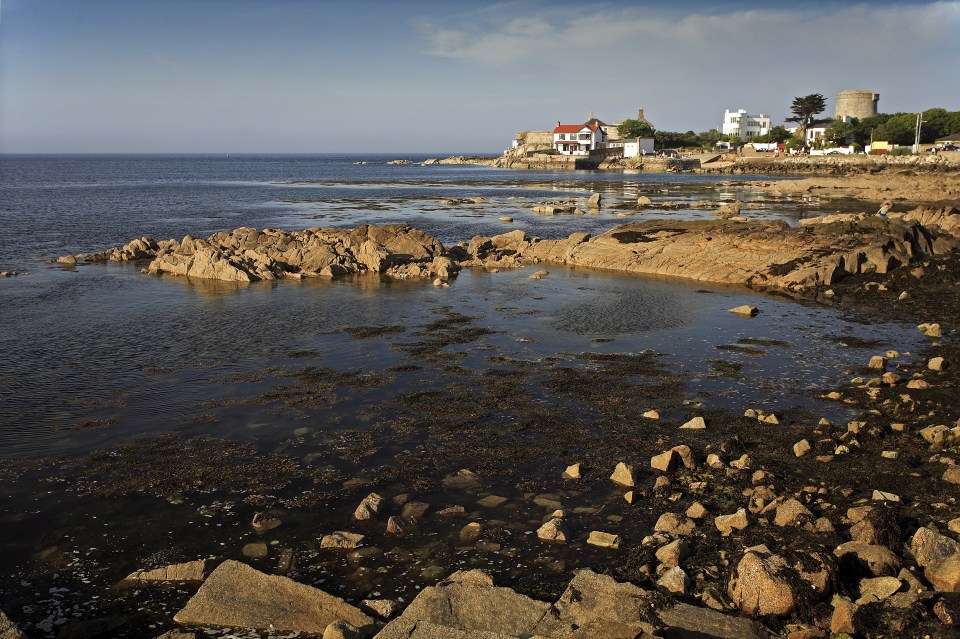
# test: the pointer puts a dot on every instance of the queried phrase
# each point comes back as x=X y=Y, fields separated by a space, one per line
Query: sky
x=440 y=76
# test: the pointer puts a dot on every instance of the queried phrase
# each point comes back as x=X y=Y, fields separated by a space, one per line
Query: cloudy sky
x=439 y=75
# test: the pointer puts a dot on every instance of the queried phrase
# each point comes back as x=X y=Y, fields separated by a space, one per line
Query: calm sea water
x=79 y=344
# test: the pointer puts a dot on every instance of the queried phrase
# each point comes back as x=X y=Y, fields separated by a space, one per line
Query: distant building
x=856 y=104
x=578 y=139
x=743 y=125
x=814 y=133
x=632 y=147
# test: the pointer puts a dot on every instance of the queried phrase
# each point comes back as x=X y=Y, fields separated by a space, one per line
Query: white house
x=815 y=133
x=632 y=147
x=578 y=139
x=743 y=125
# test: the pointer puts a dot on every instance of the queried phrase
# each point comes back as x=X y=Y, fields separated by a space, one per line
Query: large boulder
x=469 y=602
x=758 y=586
x=240 y=596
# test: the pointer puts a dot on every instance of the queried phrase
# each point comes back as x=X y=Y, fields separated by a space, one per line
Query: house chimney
x=590 y=117
x=640 y=114
x=558 y=122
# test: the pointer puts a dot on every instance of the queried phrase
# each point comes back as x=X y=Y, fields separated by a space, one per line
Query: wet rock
x=593 y=201
x=843 y=613
x=381 y=608
x=464 y=602
x=191 y=571
x=452 y=511
x=369 y=508
x=8 y=629
x=877 y=362
x=492 y=501
x=673 y=553
x=674 y=524
x=341 y=540
x=930 y=330
x=397 y=527
x=937 y=364
x=792 y=513
x=67 y=260
x=877 y=560
x=413 y=511
x=951 y=475
x=879 y=526
x=675 y=581
x=651 y=414
x=237 y=595
x=623 y=475
x=758 y=586
x=944 y=575
x=929 y=547
x=801 y=448
x=463 y=479
x=697 y=511
x=572 y=472
x=697 y=423
x=170 y=634
x=879 y=495
x=726 y=524
x=553 y=531
x=665 y=462
x=262 y=522
x=877 y=589
x=505 y=218
x=603 y=540
x=470 y=533
x=747 y=310
x=255 y=550
x=342 y=630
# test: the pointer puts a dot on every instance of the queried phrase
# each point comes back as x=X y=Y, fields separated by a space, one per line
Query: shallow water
x=493 y=372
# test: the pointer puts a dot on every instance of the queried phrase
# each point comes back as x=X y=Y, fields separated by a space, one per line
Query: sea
x=97 y=356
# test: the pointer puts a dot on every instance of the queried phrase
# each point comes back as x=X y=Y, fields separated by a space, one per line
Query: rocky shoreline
x=730 y=251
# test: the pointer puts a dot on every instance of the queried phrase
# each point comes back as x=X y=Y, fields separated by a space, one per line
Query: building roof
x=949 y=138
x=574 y=128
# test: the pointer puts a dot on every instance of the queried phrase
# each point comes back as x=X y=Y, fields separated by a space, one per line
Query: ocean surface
x=82 y=345
x=143 y=420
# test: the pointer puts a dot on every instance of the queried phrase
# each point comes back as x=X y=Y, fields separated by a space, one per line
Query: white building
x=743 y=125
x=578 y=139
x=632 y=147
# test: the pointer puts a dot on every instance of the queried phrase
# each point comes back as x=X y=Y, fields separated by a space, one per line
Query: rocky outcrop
x=250 y=255
x=759 y=254
x=237 y=595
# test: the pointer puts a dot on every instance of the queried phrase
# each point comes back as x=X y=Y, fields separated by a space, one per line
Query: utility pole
x=916 y=139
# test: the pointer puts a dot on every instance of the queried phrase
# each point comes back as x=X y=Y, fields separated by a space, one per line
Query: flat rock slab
x=188 y=571
x=240 y=596
x=412 y=629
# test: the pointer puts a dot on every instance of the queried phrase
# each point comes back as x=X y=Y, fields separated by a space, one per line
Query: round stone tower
x=856 y=104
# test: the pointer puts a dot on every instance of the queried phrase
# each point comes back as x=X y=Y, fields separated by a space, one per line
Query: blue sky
x=439 y=76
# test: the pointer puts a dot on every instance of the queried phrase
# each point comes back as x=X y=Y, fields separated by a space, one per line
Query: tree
x=898 y=129
x=777 y=134
x=805 y=107
x=635 y=129
x=839 y=132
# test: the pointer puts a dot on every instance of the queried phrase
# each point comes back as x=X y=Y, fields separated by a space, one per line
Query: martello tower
x=856 y=104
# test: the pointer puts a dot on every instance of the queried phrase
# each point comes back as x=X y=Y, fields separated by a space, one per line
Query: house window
x=584 y=136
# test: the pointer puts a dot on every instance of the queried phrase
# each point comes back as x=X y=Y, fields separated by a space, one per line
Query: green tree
x=777 y=134
x=839 y=132
x=805 y=107
x=635 y=129
x=711 y=137
x=898 y=129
